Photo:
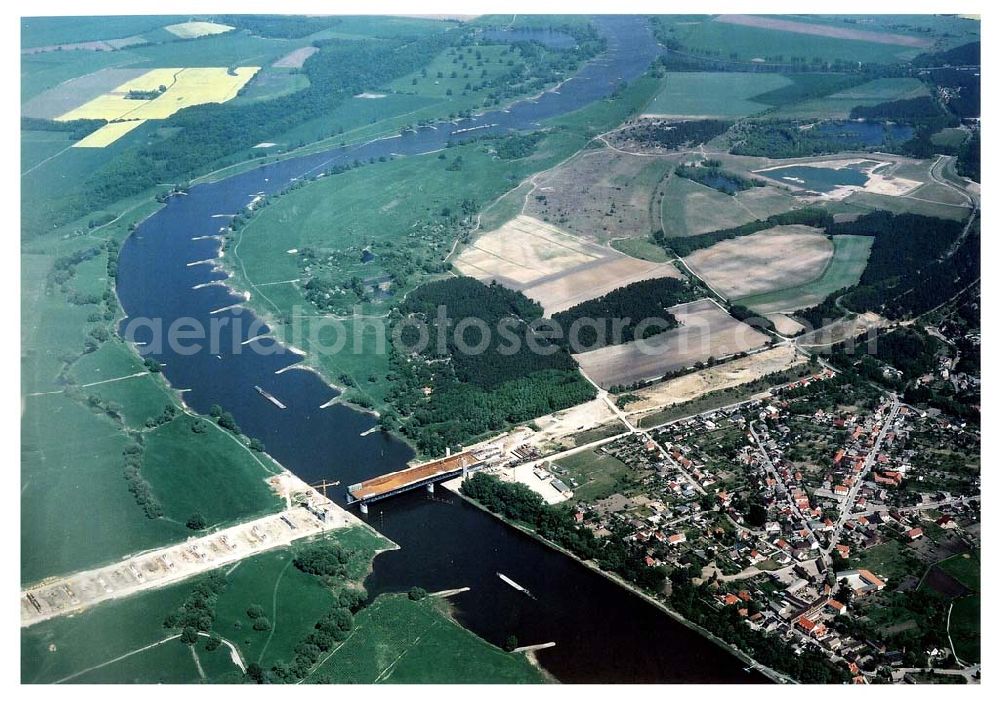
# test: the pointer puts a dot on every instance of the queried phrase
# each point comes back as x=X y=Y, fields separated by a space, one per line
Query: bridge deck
x=388 y=483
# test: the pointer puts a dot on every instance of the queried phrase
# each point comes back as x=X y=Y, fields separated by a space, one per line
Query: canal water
x=602 y=631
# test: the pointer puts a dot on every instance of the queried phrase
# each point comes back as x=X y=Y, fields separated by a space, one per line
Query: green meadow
x=713 y=95
x=398 y=640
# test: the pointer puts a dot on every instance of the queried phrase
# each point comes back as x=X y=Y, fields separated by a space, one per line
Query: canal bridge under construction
x=424 y=475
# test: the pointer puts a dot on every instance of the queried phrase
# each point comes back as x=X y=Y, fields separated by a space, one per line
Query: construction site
x=308 y=513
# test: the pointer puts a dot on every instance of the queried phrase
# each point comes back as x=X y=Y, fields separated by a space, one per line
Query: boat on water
x=515 y=585
x=269 y=397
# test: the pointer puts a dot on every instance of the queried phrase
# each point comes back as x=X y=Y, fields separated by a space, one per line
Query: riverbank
x=771 y=674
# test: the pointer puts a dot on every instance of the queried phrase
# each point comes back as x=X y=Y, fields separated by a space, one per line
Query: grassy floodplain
x=112 y=642
x=77 y=511
x=398 y=640
x=377 y=205
x=724 y=40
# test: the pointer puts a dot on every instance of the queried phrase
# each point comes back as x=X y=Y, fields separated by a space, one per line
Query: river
x=603 y=633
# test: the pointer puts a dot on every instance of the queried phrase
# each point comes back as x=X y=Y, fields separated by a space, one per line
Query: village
x=813 y=519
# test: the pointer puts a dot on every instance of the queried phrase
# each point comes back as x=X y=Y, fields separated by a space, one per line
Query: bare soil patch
x=706 y=330
x=726 y=375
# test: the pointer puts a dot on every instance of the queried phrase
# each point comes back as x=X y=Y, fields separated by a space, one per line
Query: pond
x=819 y=179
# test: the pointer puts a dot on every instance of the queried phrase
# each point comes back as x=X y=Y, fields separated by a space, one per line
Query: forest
x=711 y=174
x=497 y=367
x=280 y=26
x=781 y=139
x=671 y=135
x=629 y=306
x=906 y=272
x=910 y=269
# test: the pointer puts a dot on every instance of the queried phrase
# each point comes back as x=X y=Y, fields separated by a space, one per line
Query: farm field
x=823 y=30
x=295 y=58
x=768 y=260
x=726 y=375
x=838 y=105
x=603 y=194
x=397 y=640
x=772 y=44
x=193 y=29
x=688 y=208
x=705 y=331
x=844 y=269
x=549 y=265
x=712 y=95
x=183 y=87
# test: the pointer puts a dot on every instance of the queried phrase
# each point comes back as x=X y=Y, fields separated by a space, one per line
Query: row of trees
x=670 y=135
x=514 y=501
x=683 y=246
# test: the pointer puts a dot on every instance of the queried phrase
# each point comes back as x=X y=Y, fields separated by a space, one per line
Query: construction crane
x=323 y=485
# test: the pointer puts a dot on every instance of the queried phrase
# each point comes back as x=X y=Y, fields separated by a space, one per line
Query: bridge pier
x=364 y=508
x=430 y=487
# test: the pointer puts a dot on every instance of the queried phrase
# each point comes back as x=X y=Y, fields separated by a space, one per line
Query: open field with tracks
x=555 y=268
x=705 y=331
x=768 y=260
x=842 y=270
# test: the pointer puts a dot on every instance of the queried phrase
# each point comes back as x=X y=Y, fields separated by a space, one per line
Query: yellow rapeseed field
x=107 y=134
x=184 y=88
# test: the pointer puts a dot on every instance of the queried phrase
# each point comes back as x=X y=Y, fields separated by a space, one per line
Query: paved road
x=848 y=502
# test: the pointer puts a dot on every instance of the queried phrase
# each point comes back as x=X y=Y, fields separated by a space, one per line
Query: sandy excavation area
x=726 y=375
x=706 y=330
x=556 y=268
x=769 y=260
